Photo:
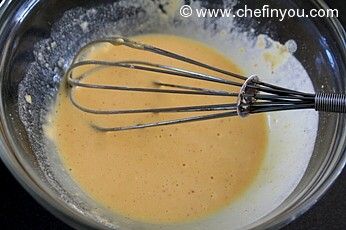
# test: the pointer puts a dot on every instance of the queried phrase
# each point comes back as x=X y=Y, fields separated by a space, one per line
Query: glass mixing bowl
x=25 y=22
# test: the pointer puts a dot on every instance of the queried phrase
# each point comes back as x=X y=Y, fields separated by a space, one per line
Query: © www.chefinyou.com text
x=265 y=12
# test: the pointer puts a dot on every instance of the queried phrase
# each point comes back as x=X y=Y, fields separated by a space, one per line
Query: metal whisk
x=254 y=96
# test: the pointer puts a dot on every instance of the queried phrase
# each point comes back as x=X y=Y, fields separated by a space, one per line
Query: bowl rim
x=31 y=183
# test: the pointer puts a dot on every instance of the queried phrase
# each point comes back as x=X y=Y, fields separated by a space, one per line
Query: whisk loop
x=254 y=96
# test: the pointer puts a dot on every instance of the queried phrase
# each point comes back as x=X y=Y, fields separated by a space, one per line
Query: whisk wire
x=169 y=122
x=253 y=97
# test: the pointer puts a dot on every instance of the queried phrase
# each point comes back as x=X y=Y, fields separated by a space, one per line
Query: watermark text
x=265 y=12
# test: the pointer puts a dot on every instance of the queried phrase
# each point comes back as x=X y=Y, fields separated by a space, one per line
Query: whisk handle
x=329 y=102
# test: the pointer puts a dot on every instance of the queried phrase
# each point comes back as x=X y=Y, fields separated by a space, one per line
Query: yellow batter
x=161 y=175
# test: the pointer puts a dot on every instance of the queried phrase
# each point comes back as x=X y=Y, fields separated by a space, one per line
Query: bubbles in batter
x=166 y=174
